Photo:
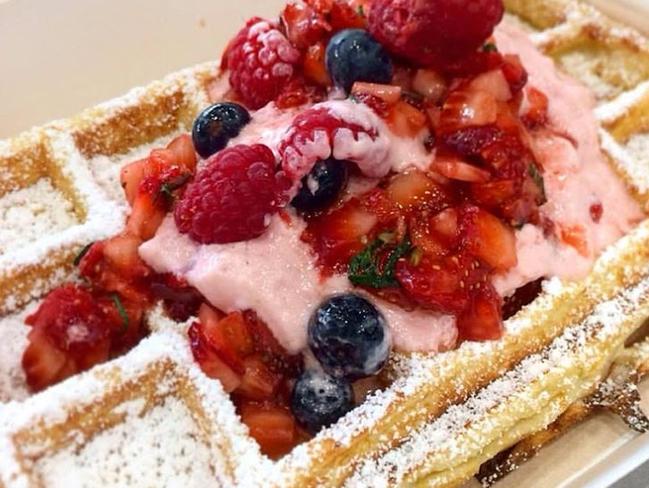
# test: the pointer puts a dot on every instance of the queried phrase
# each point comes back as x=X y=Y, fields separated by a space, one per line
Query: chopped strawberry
x=229 y=338
x=314 y=67
x=146 y=216
x=445 y=224
x=70 y=334
x=443 y=285
x=303 y=25
x=258 y=381
x=121 y=252
x=276 y=357
x=42 y=361
x=514 y=72
x=406 y=120
x=523 y=296
x=488 y=238
x=536 y=113
x=337 y=236
x=575 y=236
x=494 y=193
x=494 y=83
x=209 y=361
x=390 y=94
x=273 y=427
x=482 y=319
x=131 y=176
x=430 y=84
x=344 y=16
x=181 y=301
x=455 y=169
x=416 y=189
x=183 y=149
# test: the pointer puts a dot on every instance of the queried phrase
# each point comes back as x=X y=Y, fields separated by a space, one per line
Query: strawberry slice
x=258 y=381
x=146 y=216
x=314 y=67
x=405 y=120
x=339 y=235
x=121 y=252
x=455 y=169
x=430 y=84
x=182 y=148
x=42 y=362
x=416 y=189
x=273 y=427
x=343 y=16
x=304 y=26
x=482 y=319
x=131 y=176
x=209 y=361
x=229 y=338
x=488 y=238
x=390 y=94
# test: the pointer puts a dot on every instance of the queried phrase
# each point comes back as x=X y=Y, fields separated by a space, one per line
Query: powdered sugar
x=27 y=215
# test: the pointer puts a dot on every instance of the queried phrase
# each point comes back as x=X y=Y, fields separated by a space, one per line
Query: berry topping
x=319 y=400
x=333 y=130
x=430 y=33
x=216 y=125
x=70 y=333
x=349 y=337
x=233 y=196
x=354 y=55
x=261 y=62
x=322 y=186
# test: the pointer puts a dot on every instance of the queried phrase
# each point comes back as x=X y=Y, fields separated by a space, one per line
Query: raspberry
x=333 y=130
x=231 y=198
x=261 y=61
x=428 y=33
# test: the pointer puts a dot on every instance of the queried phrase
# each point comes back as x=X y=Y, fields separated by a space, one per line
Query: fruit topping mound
x=233 y=196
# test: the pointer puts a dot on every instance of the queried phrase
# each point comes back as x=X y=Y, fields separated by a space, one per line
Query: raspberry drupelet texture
x=232 y=196
x=323 y=131
x=261 y=61
x=430 y=33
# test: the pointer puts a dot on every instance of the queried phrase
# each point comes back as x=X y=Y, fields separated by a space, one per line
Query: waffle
x=151 y=418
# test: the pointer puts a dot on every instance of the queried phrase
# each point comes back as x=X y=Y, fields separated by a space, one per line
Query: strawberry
x=535 y=114
x=303 y=25
x=131 y=176
x=209 y=361
x=416 y=189
x=313 y=66
x=184 y=154
x=482 y=319
x=273 y=427
x=390 y=94
x=42 y=362
x=455 y=169
x=487 y=238
x=146 y=216
x=406 y=120
x=258 y=381
x=444 y=284
x=575 y=236
x=337 y=236
x=344 y=16
x=121 y=253
x=430 y=84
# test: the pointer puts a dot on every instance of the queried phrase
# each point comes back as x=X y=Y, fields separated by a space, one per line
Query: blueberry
x=319 y=400
x=349 y=337
x=354 y=55
x=322 y=186
x=216 y=125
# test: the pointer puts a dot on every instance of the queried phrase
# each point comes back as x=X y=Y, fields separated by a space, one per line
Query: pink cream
x=276 y=275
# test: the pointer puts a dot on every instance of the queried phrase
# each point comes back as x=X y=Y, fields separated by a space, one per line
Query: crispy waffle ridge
x=151 y=418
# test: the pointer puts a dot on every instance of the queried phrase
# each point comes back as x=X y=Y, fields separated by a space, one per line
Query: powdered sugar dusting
x=28 y=214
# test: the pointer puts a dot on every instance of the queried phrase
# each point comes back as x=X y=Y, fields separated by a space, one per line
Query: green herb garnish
x=168 y=188
x=82 y=253
x=365 y=269
x=122 y=312
x=537 y=178
x=490 y=47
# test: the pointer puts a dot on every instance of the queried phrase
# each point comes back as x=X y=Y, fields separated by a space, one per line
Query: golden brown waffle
x=151 y=418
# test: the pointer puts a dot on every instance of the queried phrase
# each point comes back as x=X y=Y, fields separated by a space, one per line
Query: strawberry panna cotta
x=394 y=144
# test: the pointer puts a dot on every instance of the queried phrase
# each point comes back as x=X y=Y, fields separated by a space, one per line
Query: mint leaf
x=365 y=268
x=82 y=253
x=122 y=312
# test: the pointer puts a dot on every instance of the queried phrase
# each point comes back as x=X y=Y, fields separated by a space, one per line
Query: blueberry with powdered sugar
x=319 y=400
x=349 y=337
